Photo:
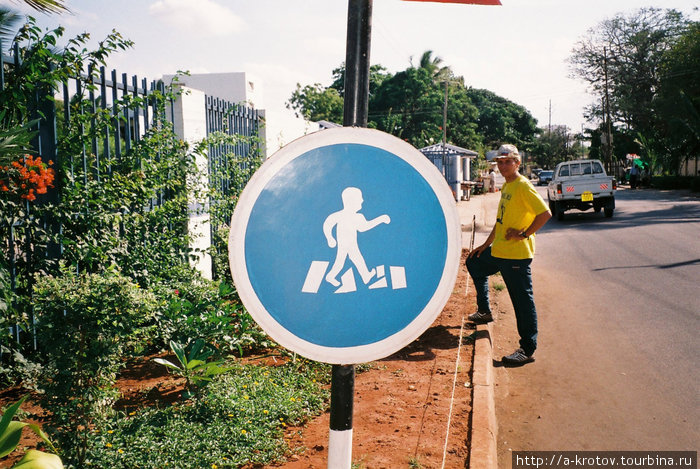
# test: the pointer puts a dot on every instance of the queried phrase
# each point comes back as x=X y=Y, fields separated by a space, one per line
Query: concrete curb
x=483 y=449
x=483 y=444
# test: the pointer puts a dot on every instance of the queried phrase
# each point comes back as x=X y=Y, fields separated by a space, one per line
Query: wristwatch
x=523 y=235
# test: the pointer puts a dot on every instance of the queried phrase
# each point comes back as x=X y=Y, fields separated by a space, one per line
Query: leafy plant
x=240 y=423
x=194 y=367
x=10 y=434
x=87 y=325
x=215 y=313
x=15 y=138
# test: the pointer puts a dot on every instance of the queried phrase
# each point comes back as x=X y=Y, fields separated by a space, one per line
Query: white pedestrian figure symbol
x=348 y=222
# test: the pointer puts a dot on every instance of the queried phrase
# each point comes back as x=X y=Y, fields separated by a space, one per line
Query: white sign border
x=241 y=216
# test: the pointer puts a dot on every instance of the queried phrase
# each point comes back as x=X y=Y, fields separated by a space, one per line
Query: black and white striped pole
x=340 y=434
x=355 y=110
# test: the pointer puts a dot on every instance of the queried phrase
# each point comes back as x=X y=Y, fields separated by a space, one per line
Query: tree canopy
x=646 y=64
x=410 y=104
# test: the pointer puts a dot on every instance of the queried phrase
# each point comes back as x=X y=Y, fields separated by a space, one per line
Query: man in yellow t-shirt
x=509 y=249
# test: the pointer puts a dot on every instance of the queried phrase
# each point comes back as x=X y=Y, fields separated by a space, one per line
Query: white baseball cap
x=507 y=151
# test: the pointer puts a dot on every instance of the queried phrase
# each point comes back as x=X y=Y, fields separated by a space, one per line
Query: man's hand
x=512 y=233
x=478 y=250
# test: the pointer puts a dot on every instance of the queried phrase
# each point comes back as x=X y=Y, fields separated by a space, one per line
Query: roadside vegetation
x=121 y=289
x=113 y=285
x=641 y=67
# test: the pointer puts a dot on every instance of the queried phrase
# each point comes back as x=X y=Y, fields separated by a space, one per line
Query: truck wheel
x=558 y=211
x=608 y=212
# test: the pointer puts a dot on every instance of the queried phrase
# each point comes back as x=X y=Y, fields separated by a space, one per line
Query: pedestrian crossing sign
x=345 y=245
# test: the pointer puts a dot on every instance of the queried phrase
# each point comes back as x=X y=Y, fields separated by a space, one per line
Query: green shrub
x=241 y=420
x=194 y=365
x=213 y=312
x=87 y=325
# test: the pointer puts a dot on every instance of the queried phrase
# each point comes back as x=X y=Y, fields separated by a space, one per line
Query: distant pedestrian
x=492 y=180
x=509 y=249
x=634 y=176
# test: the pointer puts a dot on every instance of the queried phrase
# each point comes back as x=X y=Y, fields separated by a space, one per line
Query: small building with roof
x=454 y=163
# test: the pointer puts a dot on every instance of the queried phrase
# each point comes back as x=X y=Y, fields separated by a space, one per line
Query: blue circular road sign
x=345 y=245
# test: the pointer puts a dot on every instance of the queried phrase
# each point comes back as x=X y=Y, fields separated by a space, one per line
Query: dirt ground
x=401 y=409
x=402 y=403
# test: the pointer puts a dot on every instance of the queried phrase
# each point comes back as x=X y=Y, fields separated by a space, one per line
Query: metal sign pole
x=340 y=434
x=356 y=101
x=355 y=110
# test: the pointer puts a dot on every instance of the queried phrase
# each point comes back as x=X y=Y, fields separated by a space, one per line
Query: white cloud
x=203 y=17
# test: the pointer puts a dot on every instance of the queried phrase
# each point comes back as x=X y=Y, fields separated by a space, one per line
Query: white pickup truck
x=581 y=184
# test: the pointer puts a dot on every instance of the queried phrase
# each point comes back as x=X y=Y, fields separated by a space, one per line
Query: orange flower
x=26 y=177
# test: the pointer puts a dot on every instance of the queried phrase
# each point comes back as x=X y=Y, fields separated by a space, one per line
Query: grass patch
x=240 y=420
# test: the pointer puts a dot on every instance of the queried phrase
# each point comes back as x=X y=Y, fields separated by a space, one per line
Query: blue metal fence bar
x=146 y=100
x=127 y=122
x=135 y=110
x=115 y=114
x=105 y=129
x=93 y=122
x=78 y=93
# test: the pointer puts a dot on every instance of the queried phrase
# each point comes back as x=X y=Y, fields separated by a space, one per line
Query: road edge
x=483 y=448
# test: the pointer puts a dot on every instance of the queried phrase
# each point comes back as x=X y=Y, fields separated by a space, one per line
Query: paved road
x=617 y=366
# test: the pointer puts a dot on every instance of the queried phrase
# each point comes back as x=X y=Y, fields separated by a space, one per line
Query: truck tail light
x=559 y=188
x=614 y=184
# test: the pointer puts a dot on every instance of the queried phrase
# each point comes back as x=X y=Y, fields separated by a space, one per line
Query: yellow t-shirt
x=520 y=204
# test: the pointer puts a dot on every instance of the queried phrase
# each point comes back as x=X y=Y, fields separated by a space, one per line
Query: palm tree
x=430 y=63
x=8 y=25
x=47 y=6
x=433 y=66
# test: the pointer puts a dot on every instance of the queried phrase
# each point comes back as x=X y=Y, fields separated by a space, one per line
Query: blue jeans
x=518 y=279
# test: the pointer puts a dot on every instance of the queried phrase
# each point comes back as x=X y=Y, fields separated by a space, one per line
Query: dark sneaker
x=480 y=318
x=517 y=358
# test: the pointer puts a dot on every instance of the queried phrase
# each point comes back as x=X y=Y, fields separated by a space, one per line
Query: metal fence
x=128 y=109
x=231 y=162
x=233 y=120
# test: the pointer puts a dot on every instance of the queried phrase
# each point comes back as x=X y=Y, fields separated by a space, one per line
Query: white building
x=281 y=125
x=189 y=121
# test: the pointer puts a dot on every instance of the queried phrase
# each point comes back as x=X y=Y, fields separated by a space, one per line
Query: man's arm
x=369 y=224
x=539 y=221
x=328 y=225
x=486 y=244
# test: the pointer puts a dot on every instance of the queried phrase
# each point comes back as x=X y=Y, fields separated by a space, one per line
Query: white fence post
x=189 y=121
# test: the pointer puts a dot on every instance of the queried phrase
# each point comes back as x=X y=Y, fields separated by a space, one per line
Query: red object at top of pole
x=472 y=2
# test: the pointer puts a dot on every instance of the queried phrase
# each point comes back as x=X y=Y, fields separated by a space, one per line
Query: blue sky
x=517 y=50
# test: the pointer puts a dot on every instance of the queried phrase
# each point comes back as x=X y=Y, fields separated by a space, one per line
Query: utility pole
x=608 y=140
x=550 y=117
